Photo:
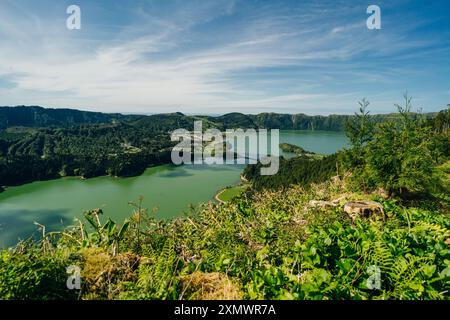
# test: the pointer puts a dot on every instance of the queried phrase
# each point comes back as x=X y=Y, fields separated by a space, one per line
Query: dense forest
x=34 y=116
x=303 y=121
x=88 y=151
x=76 y=143
x=299 y=170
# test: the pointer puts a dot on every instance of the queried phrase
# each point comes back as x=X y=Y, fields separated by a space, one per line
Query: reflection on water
x=15 y=224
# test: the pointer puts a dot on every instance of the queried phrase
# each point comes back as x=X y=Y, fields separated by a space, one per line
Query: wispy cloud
x=201 y=56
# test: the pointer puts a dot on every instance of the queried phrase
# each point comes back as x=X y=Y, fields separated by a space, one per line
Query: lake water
x=169 y=188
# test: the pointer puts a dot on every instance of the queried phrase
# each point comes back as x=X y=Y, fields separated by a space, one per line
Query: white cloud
x=160 y=70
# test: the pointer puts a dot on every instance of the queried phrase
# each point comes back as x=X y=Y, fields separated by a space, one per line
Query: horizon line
x=215 y=114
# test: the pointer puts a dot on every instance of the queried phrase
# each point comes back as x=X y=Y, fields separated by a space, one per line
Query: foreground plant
x=269 y=245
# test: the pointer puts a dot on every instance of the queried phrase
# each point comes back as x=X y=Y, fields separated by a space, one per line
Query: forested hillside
x=41 y=117
x=35 y=116
x=298 y=170
x=305 y=122
x=117 y=149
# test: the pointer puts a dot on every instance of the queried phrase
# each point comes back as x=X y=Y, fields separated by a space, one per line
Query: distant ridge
x=36 y=116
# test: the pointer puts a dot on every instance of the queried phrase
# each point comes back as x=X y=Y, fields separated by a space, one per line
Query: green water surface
x=171 y=189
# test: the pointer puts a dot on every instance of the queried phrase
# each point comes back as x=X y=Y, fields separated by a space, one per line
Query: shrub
x=33 y=275
x=399 y=156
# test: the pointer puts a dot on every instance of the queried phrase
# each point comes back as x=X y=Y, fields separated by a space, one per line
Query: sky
x=221 y=56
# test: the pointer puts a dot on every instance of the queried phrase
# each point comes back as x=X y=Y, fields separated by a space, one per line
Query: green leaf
x=429 y=270
x=445 y=273
x=123 y=229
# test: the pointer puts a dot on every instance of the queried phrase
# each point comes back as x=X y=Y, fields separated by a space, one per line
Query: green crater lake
x=171 y=189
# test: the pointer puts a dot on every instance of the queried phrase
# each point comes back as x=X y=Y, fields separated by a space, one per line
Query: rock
x=338 y=201
x=321 y=204
x=365 y=209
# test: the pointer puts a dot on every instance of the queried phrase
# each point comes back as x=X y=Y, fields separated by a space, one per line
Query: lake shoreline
x=82 y=178
x=216 y=197
x=243 y=183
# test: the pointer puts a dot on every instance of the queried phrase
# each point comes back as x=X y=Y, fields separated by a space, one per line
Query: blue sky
x=214 y=57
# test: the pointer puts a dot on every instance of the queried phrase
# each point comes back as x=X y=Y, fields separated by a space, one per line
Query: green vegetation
x=441 y=123
x=306 y=122
x=298 y=170
x=230 y=193
x=270 y=245
x=87 y=151
x=51 y=143
x=273 y=241
x=292 y=148
x=34 y=116
x=397 y=156
x=38 y=117
x=42 y=144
